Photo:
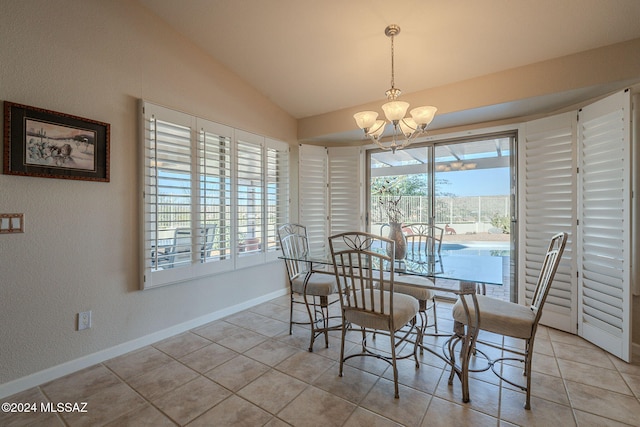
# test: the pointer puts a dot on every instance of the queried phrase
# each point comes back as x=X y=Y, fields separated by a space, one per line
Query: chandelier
x=405 y=129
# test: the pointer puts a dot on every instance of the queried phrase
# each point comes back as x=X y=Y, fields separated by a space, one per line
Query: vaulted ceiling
x=316 y=57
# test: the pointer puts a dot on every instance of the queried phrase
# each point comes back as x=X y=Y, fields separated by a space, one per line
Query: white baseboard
x=50 y=374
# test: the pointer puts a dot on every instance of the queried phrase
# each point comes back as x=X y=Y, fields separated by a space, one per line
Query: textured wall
x=79 y=251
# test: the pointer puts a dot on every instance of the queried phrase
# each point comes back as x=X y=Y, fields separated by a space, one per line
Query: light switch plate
x=11 y=223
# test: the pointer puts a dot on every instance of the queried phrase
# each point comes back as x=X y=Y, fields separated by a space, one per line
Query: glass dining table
x=473 y=272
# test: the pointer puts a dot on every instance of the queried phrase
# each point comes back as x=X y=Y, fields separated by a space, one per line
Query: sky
x=477 y=182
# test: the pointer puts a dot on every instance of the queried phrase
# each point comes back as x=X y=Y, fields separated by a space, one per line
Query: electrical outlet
x=84 y=320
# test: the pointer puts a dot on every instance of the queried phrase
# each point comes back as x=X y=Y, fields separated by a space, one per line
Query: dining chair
x=515 y=320
x=360 y=271
x=314 y=288
x=424 y=244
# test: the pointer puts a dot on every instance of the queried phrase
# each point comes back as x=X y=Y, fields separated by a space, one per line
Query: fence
x=449 y=210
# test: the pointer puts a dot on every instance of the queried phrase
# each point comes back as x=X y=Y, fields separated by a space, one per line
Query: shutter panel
x=249 y=198
x=277 y=193
x=312 y=187
x=547 y=207
x=214 y=180
x=345 y=178
x=604 y=307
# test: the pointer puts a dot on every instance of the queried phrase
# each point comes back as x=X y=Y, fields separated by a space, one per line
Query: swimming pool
x=476 y=248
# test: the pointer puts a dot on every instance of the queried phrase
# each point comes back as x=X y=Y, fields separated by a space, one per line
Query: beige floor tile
x=590 y=356
x=605 y=403
x=272 y=391
x=208 y=357
x=425 y=378
x=192 y=399
x=545 y=364
x=408 y=409
x=442 y=413
x=483 y=396
x=237 y=372
x=138 y=362
x=16 y=418
x=543 y=413
x=353 y=385
x=276 y=422
x=585 y=419
x=633 y=381
x=242 y=340
x=364 y=418
x=632 y=368
x=80 y=384
x=162 y=380
x=271 y=352
x=148 y=416
x=596 y=376
x=182 y=344
x=545 y=386
x=217 y=330
x=305 y=366
x=105 y=406
x=273 y=310
x=315 y=407
x=233 y=412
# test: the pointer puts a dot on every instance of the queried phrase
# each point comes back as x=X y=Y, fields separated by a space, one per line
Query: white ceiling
x=316 y=56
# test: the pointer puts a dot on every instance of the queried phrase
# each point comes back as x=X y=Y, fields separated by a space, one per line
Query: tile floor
x=246 y=370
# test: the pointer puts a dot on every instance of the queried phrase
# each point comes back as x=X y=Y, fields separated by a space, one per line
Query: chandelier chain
x=392 y=68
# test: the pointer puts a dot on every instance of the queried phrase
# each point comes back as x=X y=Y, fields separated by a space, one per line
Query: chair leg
x=344 y=333
x=435 y=315
x=527 y=371
x=291 y=314
x=324 y=307
x=393 y=364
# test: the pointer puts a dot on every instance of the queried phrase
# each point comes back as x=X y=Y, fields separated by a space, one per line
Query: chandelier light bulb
x=423 y=115
x=365 y=119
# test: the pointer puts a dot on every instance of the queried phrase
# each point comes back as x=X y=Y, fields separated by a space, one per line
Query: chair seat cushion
x=498 y=316
x=410 y=285
x=319 y=284
x=405 y=308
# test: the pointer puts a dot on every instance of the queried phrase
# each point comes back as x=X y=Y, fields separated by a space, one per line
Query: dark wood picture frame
x=49 y=144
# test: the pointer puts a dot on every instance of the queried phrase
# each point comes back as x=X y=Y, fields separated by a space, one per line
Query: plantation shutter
x=604 y=307
x=345 y=182
x=312 y=197
x=277 y=193
x=214 y=180
x=250 y=219
x=547 y=206
x=168 y=187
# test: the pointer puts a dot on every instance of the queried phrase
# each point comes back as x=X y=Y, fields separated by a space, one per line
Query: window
x=213 y=197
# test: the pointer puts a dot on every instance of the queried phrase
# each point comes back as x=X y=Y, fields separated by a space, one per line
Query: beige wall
x=79 y=252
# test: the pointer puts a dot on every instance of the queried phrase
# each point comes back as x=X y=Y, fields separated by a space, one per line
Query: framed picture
x=49 y=144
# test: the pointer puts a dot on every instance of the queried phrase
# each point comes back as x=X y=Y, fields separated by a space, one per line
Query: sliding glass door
x=467 y=187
